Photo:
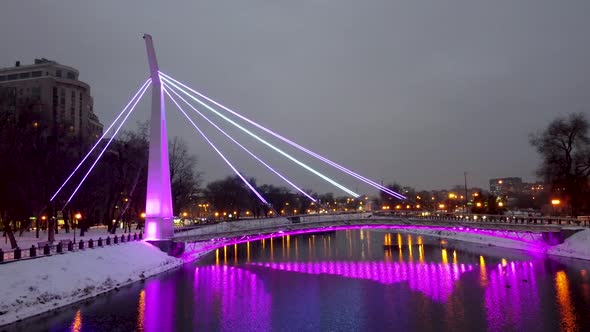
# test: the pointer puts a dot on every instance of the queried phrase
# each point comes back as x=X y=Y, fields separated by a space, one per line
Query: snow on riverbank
x=576 y=246
x=31 y=287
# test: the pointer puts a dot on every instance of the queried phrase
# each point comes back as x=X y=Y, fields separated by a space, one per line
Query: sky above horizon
x=416 y=92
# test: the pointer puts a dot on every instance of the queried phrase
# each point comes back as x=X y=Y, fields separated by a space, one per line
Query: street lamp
x=555 y=203
x=77 y=216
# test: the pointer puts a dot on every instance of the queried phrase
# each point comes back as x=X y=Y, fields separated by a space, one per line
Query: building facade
x=54 y=90
x=506 y=186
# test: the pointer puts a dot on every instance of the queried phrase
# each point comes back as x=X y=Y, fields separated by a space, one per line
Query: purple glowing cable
x=286 y=140
x=243 y=147
x=348 y=191
x=108 y=143
x=215 y=148
x=100 y=139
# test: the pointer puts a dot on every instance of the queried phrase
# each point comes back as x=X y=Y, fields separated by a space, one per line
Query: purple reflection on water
x=237 y=295
x=510 y=296
x=436 y=280
x=158 y=307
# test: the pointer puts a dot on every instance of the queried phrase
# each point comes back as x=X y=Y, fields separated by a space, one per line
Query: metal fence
x=45 y=249
x=489 y=218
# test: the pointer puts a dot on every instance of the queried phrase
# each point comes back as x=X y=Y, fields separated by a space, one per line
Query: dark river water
x=345 y=281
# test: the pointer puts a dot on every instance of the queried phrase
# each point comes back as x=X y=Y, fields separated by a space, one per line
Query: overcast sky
x=410 y=91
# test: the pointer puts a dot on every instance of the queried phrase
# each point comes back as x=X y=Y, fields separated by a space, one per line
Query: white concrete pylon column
x=158 y=212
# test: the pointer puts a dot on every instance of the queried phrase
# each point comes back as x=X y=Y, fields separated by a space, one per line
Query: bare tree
x=564 y=147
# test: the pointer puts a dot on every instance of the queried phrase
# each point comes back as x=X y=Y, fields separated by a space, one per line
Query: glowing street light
x=555 y=202
x=142 y=215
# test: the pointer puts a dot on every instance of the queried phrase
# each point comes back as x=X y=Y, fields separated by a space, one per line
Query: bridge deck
x=281 y=224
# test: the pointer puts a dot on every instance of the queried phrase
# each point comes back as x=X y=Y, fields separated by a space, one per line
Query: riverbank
x=32 y=287
x=576 y=246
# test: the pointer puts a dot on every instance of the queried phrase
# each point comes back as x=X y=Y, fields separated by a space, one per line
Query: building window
x=24 y=75
x=12 y=77
x=36 y=92
x=37 y=73
x=2 y=78
x=71 y=75
x=58 y=73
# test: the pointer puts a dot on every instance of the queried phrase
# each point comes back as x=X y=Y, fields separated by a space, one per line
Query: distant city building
x=505 y=186
x=54 y=90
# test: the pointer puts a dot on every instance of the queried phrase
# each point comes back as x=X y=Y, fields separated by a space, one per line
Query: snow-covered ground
x=576 y=246
x=31 y=287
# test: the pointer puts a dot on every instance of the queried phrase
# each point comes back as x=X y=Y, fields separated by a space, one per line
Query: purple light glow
x=331 y=163
x=101 y=137
x=515 y=308
x=240 y=295
x=107 y=145
x=241 y=146
x=533 y=246
x=215 y=148
x=348 y=191
x=151 y=229
x=436 y=280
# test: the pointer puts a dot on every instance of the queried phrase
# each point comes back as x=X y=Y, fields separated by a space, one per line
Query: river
x=355 y=280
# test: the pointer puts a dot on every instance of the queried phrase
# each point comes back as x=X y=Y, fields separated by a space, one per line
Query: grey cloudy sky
x=412 y=91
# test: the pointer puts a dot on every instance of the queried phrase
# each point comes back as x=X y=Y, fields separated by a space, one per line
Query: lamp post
x=555 y=204
x=78 y=216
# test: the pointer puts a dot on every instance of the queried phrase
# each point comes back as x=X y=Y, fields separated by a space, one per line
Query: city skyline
x=420 y=69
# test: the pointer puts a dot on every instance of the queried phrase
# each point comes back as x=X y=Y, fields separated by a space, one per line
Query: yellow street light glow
x=78 y=216
x=555 y=202
x=441 y=206
x=500 y=204
x=142 y=215
x=478 y=204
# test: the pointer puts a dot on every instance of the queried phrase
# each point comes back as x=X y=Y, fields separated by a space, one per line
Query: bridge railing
x=64 y=246
x=490 y=218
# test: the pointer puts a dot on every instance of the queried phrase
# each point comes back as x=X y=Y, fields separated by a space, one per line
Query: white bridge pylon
x=159 y=223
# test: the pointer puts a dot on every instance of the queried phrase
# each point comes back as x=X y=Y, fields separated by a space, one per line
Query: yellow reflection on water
x=141 y=311
x=566 y=308
x=217 y=256
x=224 y=254
x=454 y=256
x=77 y=323
x=420 y=241
x=296 y=250
x=362 y=235
x=272 y=249
x=445 y=259
x=421 y=253
x=399 y=240
x=235 y=253
x=410 y=246
x=248 y=251
x=504 y=262
x=483 y=276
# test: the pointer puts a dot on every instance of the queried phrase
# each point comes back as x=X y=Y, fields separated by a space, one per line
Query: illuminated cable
x=243 y=147
x=286 y=140
x=107 y=145
x=215 y=148
x=350 y=192
x=100 y=139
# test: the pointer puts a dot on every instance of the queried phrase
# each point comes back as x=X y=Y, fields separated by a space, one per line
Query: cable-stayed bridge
x=199 y=110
